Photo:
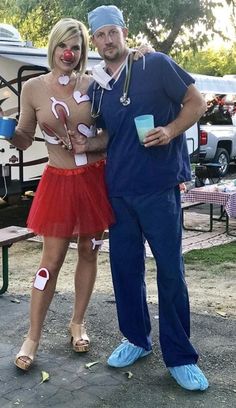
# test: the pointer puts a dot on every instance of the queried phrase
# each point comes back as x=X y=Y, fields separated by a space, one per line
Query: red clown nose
x=68 y=55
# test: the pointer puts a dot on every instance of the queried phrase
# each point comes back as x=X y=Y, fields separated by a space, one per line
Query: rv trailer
x=19 y=61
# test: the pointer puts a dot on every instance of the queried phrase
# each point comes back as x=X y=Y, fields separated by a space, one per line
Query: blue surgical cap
x=104 y=16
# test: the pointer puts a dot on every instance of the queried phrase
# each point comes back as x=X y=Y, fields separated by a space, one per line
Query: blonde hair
x=62 y=31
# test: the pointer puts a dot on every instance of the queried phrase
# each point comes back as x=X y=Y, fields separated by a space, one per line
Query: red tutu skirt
x=71 y=202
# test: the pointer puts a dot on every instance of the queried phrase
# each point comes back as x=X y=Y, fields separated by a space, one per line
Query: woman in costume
x=71 y=198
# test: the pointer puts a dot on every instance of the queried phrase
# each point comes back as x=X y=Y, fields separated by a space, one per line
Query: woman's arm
x=25 y=130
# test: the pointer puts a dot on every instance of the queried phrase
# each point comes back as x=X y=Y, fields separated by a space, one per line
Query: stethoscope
x=124 y=99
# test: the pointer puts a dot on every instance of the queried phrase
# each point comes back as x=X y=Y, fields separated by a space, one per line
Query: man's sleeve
x=175 y=79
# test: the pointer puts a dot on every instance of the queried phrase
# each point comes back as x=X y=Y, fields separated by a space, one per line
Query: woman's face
x=67 y=54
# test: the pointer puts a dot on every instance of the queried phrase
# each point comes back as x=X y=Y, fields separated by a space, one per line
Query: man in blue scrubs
x=142 y=182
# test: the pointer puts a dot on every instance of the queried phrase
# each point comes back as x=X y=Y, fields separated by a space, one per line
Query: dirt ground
x=210 y=292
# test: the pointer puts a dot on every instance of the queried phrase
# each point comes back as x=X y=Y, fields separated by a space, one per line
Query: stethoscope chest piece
x=124 y=100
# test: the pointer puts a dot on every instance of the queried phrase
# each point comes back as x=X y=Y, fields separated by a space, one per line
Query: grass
x=212 y=256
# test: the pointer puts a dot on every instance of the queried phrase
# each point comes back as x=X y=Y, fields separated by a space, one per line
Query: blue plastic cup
x=7 y=127
x=143 y=124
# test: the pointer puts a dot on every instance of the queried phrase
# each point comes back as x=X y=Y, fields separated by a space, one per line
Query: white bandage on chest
x=81 y=159
x=86 y=131
x=50 y=139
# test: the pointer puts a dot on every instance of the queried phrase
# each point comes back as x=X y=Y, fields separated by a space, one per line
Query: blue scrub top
x=157 y=89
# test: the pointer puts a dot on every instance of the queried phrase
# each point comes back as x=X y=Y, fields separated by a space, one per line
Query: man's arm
x=82 y=144
x=193 y=108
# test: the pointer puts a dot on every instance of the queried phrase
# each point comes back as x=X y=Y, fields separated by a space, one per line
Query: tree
x=169 y=25
x=33 y=18
x=209 y=61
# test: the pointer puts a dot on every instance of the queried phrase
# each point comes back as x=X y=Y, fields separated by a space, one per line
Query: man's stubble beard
x=117 y=56
x=112 y=57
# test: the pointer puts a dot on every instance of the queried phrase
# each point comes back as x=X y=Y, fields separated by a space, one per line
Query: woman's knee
x=88 y=248
x=52 y=264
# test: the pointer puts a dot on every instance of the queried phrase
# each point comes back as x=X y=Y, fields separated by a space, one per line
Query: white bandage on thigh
x=98 y=242
x=41 y=278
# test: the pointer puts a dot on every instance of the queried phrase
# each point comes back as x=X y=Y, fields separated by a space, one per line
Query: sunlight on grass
x=213 y=256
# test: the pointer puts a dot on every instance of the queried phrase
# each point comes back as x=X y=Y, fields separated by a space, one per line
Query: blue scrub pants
x=156 y=218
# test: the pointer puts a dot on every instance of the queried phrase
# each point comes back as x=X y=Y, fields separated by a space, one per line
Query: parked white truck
x=217 y=138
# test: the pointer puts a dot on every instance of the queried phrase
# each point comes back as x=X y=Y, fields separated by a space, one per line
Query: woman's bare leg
x=85 y=275
x=53 y=255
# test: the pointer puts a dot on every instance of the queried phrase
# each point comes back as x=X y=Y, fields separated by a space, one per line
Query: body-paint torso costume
x=54 y=114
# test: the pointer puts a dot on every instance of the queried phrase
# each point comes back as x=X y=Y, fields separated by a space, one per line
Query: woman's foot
x=79 y=339
x=24 y=359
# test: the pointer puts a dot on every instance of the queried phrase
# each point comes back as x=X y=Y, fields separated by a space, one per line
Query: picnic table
x=223 y=194
x=8 y=236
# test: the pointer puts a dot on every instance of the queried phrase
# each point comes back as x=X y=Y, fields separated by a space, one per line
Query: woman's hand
x=79 y=142
x=142 y=50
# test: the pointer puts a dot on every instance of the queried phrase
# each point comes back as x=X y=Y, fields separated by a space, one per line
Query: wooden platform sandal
x=79 y=339
x=24 y=359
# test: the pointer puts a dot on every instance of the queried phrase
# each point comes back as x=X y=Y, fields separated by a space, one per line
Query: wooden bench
x=106 y=234
x=9 y=236
x=186 y=206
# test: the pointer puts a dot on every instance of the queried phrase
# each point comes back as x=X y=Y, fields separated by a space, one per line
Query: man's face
x=110 y=42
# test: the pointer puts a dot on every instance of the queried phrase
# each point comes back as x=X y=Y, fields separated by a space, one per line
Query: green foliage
x=38 y=22
x=212 y=256
x=34 y=19
x=169 y=25
x=210 y=61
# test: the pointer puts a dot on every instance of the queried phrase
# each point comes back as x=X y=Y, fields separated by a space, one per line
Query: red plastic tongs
x=62 y=117
x=52 y=132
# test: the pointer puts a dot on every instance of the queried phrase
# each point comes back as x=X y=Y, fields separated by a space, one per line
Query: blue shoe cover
x=189 y=377
x=126 y=354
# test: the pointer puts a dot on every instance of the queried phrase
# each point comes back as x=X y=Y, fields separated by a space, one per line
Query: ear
x=93 y=40
x=125 y=32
